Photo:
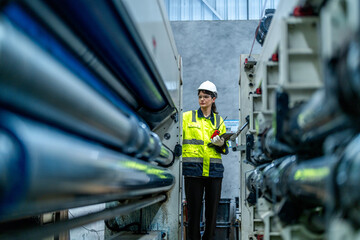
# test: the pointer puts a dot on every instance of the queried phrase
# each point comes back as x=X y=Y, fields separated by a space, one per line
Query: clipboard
x=226 y=136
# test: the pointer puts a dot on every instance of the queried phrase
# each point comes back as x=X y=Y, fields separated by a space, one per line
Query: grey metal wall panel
x=188 y=10
x=256 y=8
x=231 y=10
x=208 y=14
x=242 y=5
x=220 y=8
x=197 y=10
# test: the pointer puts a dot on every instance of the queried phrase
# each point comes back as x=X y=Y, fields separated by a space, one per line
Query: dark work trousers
x=194 y=189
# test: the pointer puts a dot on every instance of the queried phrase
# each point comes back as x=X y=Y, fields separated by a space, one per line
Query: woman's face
x=205 y=100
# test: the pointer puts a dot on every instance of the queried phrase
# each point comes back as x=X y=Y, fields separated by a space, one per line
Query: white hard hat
x=209 y=86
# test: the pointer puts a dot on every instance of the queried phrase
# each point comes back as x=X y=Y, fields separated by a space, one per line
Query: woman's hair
x=213 y=106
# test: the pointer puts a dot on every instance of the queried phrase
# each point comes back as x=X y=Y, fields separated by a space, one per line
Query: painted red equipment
x=216 y=132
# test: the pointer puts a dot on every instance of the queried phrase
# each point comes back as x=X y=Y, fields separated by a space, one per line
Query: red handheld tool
x=217 y=132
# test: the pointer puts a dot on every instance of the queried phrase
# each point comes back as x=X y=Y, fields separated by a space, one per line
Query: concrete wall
x=211 y=50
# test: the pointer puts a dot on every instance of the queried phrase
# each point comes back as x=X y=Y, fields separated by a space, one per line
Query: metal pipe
x=310 y=124
x=274 y=148
x=107 y=32
x=271 y=183
x=32 y=81
x=55 y=170
x=23 y=19
x=287 y=177
x=53 y=229
x=330 y=181
x=10 y=160
x=342 y=76
x=346 y=182
x=166 y=157
x=308 y=180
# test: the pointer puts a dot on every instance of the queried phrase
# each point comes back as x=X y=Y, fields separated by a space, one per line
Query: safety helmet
x=208 y=86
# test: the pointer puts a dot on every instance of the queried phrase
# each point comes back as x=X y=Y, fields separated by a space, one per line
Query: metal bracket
x=178 y=150
x=175 y=117
x=249 y=68
x=240 y=148
x=249 y=146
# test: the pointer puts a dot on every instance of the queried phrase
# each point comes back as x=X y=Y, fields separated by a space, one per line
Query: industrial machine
x=300 y=155
x=90 y=106
x=90 y=113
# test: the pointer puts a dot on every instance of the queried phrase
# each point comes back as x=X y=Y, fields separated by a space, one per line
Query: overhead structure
x=90 y=105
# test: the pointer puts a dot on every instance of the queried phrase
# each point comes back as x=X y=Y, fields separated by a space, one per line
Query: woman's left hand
x=218 y=141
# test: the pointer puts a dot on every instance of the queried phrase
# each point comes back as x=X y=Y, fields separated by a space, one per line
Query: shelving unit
x=298 y=54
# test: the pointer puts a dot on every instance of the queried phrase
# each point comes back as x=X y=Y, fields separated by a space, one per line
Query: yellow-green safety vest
x=198 y=158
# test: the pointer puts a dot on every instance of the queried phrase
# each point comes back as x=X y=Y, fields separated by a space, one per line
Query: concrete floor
x=93 y=231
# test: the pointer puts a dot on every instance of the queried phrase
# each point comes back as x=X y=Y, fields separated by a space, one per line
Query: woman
x=202 y=165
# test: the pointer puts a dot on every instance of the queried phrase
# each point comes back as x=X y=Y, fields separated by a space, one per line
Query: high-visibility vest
x=198 y=158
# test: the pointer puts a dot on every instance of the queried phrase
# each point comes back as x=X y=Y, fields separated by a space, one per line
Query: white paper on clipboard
x=231 y=127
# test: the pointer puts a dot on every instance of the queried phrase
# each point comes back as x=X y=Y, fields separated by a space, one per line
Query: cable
x=172 y=161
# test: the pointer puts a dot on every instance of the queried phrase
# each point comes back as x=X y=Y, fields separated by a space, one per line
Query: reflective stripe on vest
x=193 y=142
x=200 y=160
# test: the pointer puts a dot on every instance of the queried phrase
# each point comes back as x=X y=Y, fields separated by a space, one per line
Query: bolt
x=167 y=136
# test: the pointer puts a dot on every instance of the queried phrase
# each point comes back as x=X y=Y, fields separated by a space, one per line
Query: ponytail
x=213 y=108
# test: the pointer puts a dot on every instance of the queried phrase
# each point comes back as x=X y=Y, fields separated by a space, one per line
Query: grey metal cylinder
x=347 y=180
x=57 y=170
x=32 y=81
x=308 y=180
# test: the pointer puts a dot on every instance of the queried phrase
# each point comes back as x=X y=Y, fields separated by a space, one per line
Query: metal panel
x=155 y=33
x=174 y=10
x=242 y=10
x=257 y=8
x=197 y=8
x=220 y=6
x=185 y=10
x=232 y=10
